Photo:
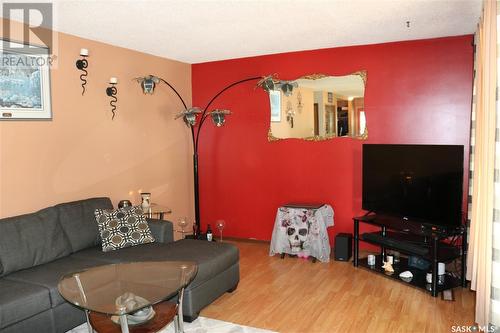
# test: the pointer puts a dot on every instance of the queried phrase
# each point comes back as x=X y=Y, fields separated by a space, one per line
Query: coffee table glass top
x=119 y=289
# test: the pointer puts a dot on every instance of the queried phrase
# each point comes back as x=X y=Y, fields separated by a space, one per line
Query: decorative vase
x=124 y=203
x=146 y=200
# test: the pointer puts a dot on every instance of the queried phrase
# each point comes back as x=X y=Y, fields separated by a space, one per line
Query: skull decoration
x=297 y=234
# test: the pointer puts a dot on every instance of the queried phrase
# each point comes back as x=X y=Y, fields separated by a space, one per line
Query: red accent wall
x=416 y=92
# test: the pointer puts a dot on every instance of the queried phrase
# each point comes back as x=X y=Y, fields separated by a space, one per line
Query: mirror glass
x=319 y=107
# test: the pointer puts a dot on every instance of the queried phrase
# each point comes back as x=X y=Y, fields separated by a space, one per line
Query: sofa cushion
x=162 y=230
x=78 y=221
x=20 y=300
x=30 y=240
x=48 y=275
x=212 y=257
x=123 y=227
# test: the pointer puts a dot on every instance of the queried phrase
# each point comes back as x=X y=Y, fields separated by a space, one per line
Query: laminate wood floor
x=295 y=295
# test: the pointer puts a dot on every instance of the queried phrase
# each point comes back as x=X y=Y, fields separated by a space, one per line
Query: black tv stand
x=414 y=239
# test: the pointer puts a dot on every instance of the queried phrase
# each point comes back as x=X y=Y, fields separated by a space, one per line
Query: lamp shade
x=189 y=115
x=287 y=87
x=148 y=83
x=148 y=86
x=219 y=116
x=267 y=83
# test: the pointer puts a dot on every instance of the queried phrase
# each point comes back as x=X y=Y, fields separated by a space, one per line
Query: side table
x=157 y=211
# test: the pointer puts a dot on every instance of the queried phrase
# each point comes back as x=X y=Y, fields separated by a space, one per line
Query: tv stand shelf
x=418 y=279
x=414 y=239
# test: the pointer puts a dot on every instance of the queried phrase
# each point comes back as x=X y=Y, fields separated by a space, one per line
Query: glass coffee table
x=117 y=296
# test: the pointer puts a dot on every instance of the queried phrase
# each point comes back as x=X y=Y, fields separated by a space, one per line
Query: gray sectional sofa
x=37 y=249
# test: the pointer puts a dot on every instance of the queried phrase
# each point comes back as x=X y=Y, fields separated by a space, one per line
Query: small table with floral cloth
x=301 y=230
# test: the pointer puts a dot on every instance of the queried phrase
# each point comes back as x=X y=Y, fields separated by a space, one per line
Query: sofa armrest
x=162 y=230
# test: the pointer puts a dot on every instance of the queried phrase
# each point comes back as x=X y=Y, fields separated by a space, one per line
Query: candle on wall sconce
x=111 y=91
x=82 y=64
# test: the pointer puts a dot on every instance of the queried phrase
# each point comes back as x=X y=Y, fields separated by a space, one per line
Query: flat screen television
x=415 y=182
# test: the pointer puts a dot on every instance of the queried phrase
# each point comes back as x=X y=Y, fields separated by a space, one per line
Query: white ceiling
x=197 y=31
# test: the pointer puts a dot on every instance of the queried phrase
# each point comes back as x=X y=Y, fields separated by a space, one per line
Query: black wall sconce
x=82 y=64
x=111 y=91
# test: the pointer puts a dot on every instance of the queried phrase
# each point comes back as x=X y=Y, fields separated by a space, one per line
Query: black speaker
x=343 y=247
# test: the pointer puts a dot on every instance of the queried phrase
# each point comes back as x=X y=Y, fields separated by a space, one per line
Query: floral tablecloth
x=302 y=232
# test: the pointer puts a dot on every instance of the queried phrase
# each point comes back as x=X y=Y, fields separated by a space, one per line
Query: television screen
x=421 y=182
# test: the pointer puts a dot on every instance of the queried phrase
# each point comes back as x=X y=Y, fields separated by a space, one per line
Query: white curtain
x=495 y=271
x=483 y=260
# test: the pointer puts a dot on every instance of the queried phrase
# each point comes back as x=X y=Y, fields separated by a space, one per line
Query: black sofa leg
x=232 y=289
x=191 y=318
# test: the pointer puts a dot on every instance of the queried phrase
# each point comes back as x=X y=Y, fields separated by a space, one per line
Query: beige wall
x=83 y=153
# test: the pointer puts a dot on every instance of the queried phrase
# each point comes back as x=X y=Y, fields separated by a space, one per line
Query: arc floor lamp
x=195 y=114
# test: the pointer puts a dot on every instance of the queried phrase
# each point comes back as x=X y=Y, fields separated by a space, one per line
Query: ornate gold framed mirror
x=317 y=107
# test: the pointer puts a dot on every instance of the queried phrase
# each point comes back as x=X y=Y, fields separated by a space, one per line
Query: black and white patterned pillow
x=122 y=228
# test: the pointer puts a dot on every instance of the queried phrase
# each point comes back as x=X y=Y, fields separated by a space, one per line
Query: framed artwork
x=275 y=98
x=330 y=97
x=24 y=82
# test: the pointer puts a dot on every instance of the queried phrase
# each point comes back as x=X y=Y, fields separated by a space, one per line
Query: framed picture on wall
x=275 y=98
x=24 y=82
x=330 y=97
